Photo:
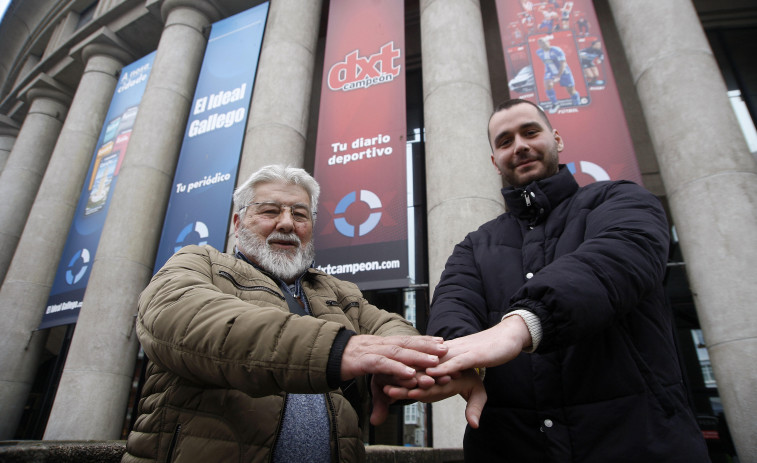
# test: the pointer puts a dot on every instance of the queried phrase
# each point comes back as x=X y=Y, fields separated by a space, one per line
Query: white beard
x=287 y=265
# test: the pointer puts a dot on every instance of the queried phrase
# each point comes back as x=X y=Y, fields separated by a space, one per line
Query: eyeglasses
x=272 y=210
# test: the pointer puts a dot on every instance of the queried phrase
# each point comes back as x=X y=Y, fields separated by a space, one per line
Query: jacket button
x=529 y=275
x=548 y=423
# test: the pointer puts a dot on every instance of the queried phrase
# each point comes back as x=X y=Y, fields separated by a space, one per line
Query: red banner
x=360 y=163
x=555 y=56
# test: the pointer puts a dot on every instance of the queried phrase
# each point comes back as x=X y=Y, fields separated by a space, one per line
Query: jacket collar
x=534 y=202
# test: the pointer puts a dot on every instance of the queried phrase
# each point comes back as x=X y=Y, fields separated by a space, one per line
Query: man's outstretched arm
x=492 y=347
x=488 y=348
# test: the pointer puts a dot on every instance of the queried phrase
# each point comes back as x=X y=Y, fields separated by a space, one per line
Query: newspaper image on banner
x=72 y=275
x=206 y=172
x=361 y=234
x=555 y=57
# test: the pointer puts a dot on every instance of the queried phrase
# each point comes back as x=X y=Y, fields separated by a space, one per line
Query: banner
x=206 y=172
x=360 y=161
x=67 y=292
x=555 y=57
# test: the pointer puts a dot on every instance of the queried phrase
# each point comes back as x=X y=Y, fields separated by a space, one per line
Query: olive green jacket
x=224 y=350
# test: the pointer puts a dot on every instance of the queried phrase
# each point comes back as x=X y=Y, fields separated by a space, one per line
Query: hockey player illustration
x=556 y=70
x=590 y=57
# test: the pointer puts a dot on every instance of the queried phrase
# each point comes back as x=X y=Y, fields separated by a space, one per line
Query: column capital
x=44 y=86
x=103 y=42
x=209 y=8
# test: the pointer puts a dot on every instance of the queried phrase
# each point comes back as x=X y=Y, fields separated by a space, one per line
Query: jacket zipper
x=172 y=445
x=526 y=198
x=344 y=309
x=278 y=428
x=237 y=285
x=335 y=436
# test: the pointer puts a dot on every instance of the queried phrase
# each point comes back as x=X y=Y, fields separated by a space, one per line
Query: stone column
x=462 y=185
x=28 y=159
x=101 y=358
x=24 y=293
x=8 y=134
x=278 y=123
x=711 y=183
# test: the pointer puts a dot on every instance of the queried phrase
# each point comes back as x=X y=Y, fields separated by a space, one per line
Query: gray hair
x=277 y=173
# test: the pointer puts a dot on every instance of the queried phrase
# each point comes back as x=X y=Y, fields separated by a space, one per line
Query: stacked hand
x=455 y=374
x=395 y=356
x=467 y=383
x=397 y=360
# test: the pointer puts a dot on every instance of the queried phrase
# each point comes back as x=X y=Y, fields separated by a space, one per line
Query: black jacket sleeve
x=620 y=261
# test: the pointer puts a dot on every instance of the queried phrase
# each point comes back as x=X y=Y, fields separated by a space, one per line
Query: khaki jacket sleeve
x=382 y=323
x=210 y=337
x=366 y=317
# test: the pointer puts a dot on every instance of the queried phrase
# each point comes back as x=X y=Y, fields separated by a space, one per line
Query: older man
x=259 y=357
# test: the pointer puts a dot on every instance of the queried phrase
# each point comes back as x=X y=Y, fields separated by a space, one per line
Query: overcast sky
x=3 y=6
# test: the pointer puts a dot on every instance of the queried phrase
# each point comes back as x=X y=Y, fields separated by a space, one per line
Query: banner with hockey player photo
x=555 y=57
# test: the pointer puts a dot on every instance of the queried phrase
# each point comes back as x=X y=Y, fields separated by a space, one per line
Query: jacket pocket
x=200 y=436
x=230 y=277
x=345 y=308
x=657 y=390
x=174 y=441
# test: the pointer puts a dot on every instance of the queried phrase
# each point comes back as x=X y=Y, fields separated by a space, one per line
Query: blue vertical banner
x=200 y=203
x=71 y=278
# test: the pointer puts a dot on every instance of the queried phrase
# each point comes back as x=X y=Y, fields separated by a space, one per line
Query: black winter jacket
x=605 y=384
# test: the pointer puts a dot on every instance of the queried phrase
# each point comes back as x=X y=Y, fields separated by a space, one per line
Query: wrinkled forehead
x=285 y=193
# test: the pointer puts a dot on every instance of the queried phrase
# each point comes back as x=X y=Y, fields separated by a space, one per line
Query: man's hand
x=395 y=356
x=468 y=384
x=380 y=383
x=489 y=348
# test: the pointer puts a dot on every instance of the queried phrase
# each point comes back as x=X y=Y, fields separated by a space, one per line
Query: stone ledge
x=396 y=454
x=111 y=451
x=61 y=451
